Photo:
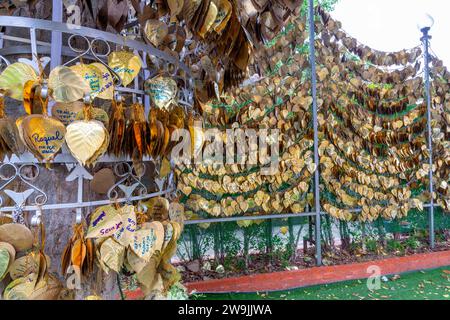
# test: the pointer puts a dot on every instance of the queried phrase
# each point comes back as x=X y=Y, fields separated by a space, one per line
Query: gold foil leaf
x=124 y=235
x=14 y=77
x=11 y=250
x=105 y=221
x=85 y=139
x=91 y=74
x=18 y=235
x=67 y=85
x=155 y=31
x=21 y=288
x=223 y=15
x=97 y=114
x=126 y=65
x=148 y=240
x=112 y=254
x=162 y=91
x=209 y=20
x=176 y=212
x=136 y=263
x=106 y=90
x=175 y=7
x=23 y=266
x=4 y=262
x=43 y=135
x=67 y=112
x=11 y=136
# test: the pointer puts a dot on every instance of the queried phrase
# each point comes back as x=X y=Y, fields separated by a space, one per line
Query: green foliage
x=371 y=245
x=412 y=242
x=395 y=246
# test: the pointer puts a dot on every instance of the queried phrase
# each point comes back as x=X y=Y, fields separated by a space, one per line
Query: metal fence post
x=56 y=49
x=312 y=60
x=425 y=40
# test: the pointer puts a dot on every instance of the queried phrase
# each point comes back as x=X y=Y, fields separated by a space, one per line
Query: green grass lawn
x=422 y=285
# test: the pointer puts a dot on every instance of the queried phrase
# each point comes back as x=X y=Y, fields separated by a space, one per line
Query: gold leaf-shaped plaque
x=112 y=254
x=43 y=135
x=21 y=288
x=175 y=7
x=136 y=263
x=209 y=20
x=148 y=240
x=18 y=235
x=5 y=259
x=124 y=235
x=223 y=15
x=10 y=249
x=18 y=125
x=91 y=74
x=157 y=208
x=148 y=276
x=11 y=136
x=155 y=31
x=126 y=65
x=176 y=212
x=23 y=266
x=162 y=91
x=67 y=112
x=168 y=234
x=14 y=77
x=106 y=90
x=85 y=139
x=105 y=221
x=67 y=85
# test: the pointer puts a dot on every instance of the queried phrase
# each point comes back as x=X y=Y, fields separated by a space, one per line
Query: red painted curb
x=285 y=280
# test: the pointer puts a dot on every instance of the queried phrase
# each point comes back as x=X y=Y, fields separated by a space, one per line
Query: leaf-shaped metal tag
x=105 y=221
x=43 y=135
x=162 y=91
x=148 y=240
x=4 y=262
x=67 y=112
x=14 y=77
x=155 y=31
x=106 y=90
x=86 y=139
x=91 y=74
x=67 y=85
x=126 y=64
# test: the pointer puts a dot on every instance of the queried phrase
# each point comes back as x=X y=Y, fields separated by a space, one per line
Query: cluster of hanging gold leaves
x=138 y=136
x=280 y=101
x=25 y=266
x=441 y=131
x=139 y=240
x=373 y=150
x=79 y=253
x=88 y=131
x=372 y=122
x=219 y=34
